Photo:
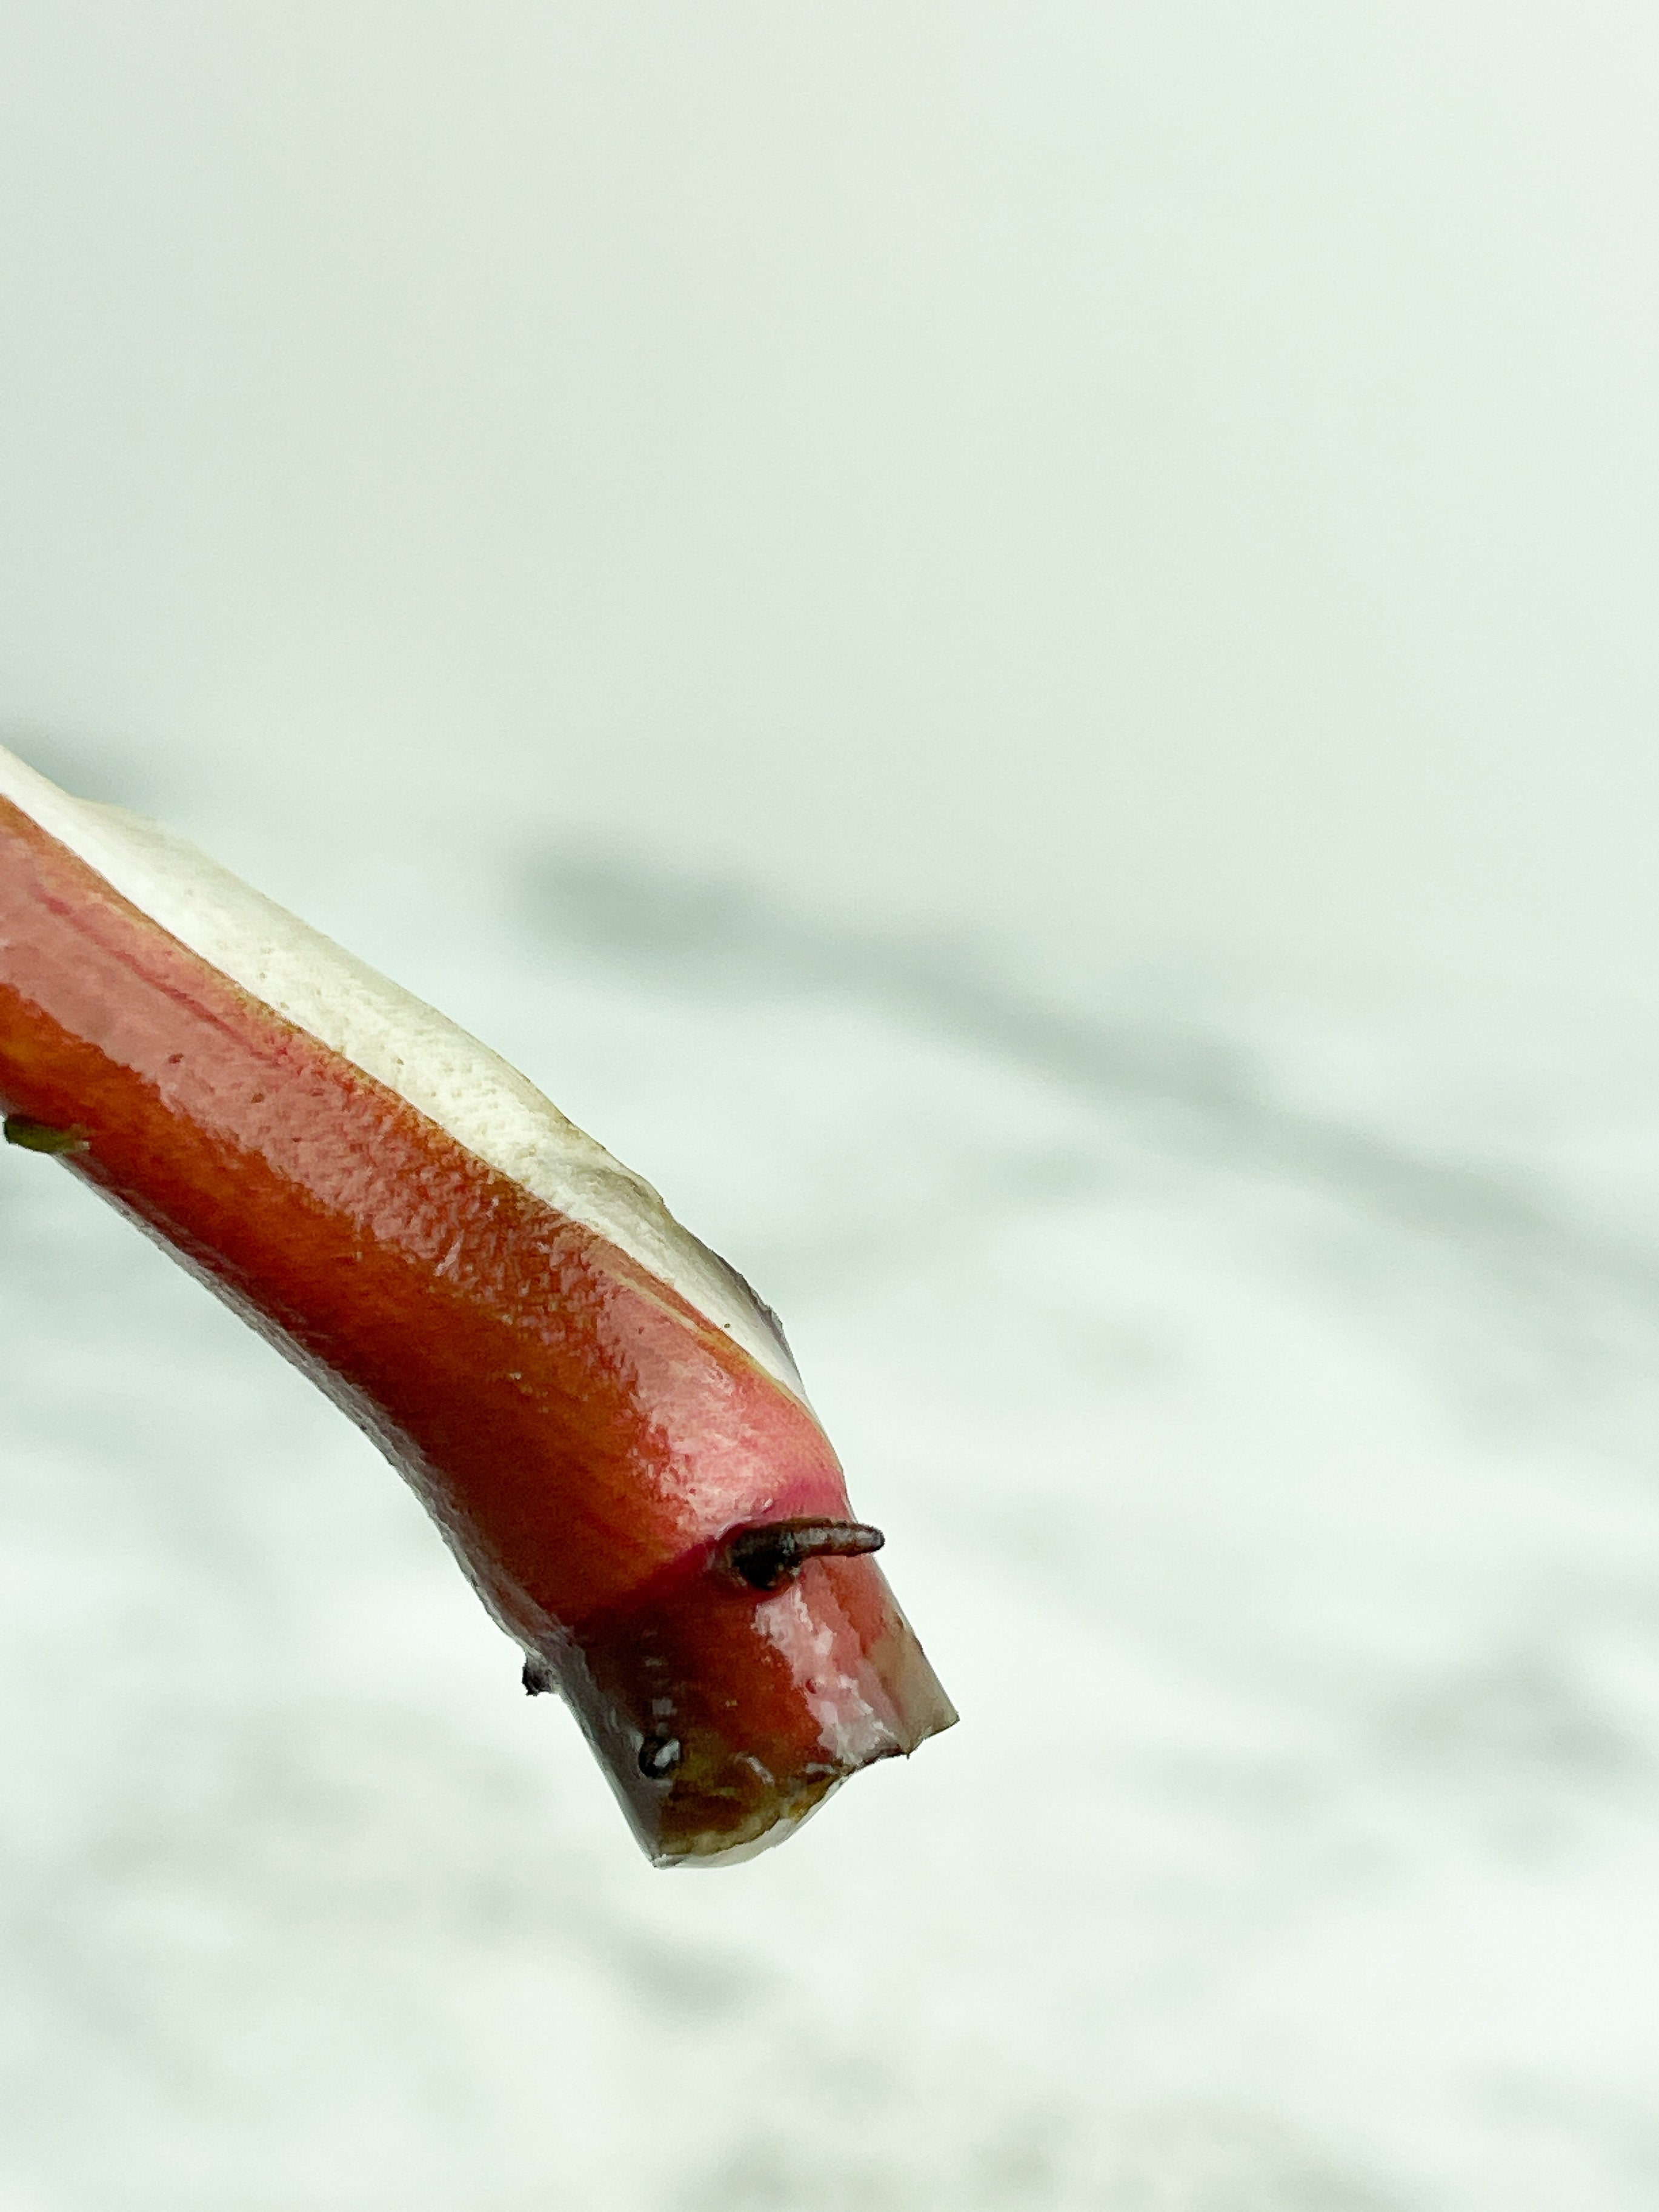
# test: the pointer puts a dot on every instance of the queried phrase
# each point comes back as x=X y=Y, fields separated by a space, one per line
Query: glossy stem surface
x=586 y=1439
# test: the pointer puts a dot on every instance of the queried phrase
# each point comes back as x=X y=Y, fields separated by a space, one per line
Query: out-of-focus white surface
x=1179 y=475
x=1261 y=1411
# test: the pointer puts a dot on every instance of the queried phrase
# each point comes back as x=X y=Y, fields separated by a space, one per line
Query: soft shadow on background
x=1014 y=649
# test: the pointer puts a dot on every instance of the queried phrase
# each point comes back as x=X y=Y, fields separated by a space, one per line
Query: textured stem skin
x=583 y=1435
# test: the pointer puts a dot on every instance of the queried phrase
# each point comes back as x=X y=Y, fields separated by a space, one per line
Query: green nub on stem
x=42 y=1137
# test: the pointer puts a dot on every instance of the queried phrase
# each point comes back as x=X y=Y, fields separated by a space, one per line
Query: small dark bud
x=768 y=1557
x=659 y=1756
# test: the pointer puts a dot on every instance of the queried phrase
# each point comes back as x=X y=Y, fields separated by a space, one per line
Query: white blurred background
x=1014 y=647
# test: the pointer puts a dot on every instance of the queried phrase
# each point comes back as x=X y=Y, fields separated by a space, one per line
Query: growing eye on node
x=659 y=1756
x=768 y=1557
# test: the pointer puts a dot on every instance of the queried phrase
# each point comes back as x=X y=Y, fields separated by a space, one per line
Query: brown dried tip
x=768 y=1557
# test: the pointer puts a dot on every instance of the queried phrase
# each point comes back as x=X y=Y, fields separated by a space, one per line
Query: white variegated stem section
x=467 y=1090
